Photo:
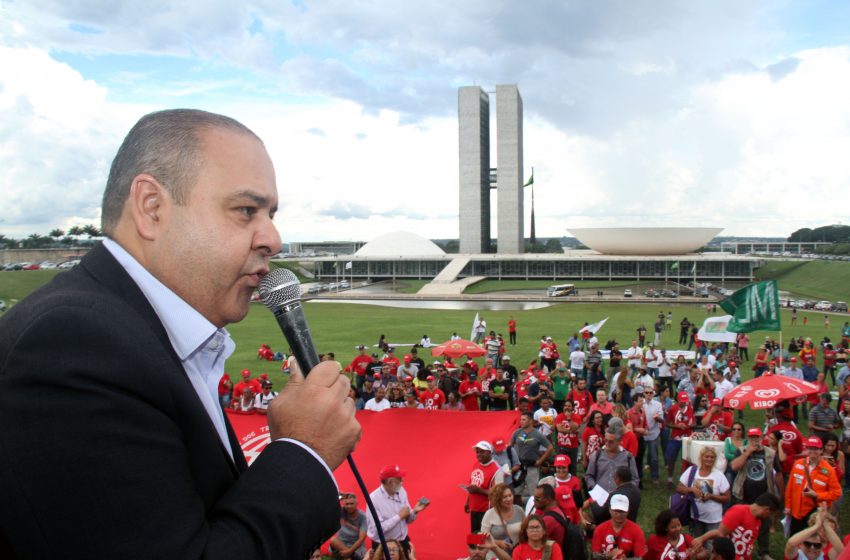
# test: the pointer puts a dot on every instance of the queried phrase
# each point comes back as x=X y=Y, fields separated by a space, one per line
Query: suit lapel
x=102 y=266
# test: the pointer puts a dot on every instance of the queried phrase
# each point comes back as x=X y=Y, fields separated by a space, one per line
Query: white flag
x=348 y=265
x=594 y=328
x=474 y=327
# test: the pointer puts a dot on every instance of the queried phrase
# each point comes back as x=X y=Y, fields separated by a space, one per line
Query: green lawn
x=815 y=279
x=16 y=285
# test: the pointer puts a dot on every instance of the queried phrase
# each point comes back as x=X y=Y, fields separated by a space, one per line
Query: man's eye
x=248 y=210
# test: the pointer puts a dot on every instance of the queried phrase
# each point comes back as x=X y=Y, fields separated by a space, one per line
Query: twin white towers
x=477 y=178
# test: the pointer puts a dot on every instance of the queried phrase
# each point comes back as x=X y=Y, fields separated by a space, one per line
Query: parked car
x=840 y=306
x=701 y=293
x=823 y=305
x=651 y=293
x=30 y=266
x=344 y=285
x=47 y=265
x=627 y=293
x=69 y=264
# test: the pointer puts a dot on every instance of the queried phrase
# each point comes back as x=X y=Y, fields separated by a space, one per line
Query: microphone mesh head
x=278 y=288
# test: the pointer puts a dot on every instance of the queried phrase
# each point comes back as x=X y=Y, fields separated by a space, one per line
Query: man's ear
x=147 y=204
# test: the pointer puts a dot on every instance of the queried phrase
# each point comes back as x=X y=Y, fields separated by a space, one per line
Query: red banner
x=434 y=448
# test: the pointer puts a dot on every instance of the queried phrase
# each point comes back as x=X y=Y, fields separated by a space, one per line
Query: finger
x=325 y=374
x=295 y=375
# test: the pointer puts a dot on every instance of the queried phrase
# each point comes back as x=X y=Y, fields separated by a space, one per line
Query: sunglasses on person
x=815 y=545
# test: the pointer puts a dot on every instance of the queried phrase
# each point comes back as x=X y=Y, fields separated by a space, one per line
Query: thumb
x=295 y=375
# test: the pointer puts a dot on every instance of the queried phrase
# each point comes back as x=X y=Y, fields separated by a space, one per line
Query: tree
x=554 y=246
x=92 y=231
x=75 y=231
x=56 y=233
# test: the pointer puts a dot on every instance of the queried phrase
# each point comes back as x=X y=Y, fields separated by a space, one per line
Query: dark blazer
x=107 y=452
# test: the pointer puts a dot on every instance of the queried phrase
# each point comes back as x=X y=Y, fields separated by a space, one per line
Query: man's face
x=581 y=384
x=477 y=553
x=213 y=250
x=540 y=500
x=814 y=453
x=612 y=442
x=619 y=516
x=524 y=421
x=483 y=455
x=601 y=397
x=380 y=393
x=349 y=505
x=568 y=407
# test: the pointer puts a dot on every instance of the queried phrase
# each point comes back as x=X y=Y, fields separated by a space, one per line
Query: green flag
x=530 y=180
x=754 y=308
x=675 y=266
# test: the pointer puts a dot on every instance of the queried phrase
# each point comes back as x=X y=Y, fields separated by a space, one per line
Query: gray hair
x=166 y=145
x=616 y=427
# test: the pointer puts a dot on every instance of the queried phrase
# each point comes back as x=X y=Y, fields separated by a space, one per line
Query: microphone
x=280 y=291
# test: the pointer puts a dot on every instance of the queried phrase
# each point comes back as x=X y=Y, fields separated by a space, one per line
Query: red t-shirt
x=630 y=539
x=581 y=401
x=239 y=388
x=511 y=326
x=522 y=389
x=482 y=476
x=678 y=416
x=432 y=400
x=523 y=551
x=470 y=402
x=222 y=388
x=722 y=418
x=743 y=530
x=567 y=440
x=485 y=376
x=660 y=548
x=792 y=443
x=592 y=439
x=359 y=364
x=564 y=496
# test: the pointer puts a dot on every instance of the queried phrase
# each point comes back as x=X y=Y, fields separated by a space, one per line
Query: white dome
x=400 y=243
x=645 y=241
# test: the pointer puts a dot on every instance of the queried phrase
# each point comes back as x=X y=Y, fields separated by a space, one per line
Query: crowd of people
x=593 y=434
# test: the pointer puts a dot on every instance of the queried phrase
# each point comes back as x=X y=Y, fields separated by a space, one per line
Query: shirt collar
x=187 y=329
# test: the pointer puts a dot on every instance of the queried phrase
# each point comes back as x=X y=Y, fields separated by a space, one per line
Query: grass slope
x=816 y=279
x=16 y=285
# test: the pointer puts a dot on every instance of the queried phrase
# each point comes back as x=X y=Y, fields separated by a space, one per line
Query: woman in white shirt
x=504 y=518
x=710 y=489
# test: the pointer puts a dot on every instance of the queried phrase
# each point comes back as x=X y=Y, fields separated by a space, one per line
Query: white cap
x=506 y=357
x=619 y=503
x=483 y=444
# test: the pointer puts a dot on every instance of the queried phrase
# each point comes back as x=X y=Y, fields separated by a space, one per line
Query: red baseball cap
x=499 y=445
x=246 y=372
x=476 y=539
x=562 y=461
x=754 y=432
x=773 y=362
x=429 y=378
x=683 y=397
x=732 y=364
x=793 y=359
x=407 y=357
x=814 y=442
x=391 y=471
x=264 y=376
x=408 y=378
x=716 y=402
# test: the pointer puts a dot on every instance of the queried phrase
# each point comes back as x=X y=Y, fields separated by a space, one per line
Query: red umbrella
x=458 y=348
x=767 y=390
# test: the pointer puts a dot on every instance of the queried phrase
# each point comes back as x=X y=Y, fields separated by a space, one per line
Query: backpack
x=573 y=544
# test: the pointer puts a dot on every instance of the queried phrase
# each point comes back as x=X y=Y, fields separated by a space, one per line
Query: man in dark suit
x=112 y=440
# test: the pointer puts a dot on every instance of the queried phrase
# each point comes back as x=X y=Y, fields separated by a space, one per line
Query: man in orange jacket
x=812 y=481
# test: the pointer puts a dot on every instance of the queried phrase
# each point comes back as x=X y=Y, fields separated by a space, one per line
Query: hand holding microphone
x=313 y=409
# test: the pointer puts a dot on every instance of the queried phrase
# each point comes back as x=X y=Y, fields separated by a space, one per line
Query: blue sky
x=716 y=113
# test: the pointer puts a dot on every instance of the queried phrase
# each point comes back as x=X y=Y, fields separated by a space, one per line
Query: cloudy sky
x=637 y=113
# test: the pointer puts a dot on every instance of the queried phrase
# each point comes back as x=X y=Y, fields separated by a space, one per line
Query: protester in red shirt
x=581 y=399
x=469 y=391
x=485 y=474
x=668 y=542
x=512 y=331
x=681 y=420
x=225 y=386
x=567 y=488
x=246 y=382
x=791 y=438
x=567 y=425
x=360 y=364
x=618 y=535
x=718 y=421
x=593 y=436
x=432 y=398
x=741 y=523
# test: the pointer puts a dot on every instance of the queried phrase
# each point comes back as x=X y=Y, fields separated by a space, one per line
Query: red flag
x=433 y=447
